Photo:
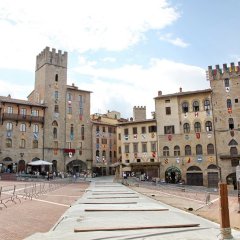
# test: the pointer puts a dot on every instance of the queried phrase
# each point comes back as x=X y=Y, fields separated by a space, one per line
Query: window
x=110 y=156
x=56 y=109
x=185 y=107
x=9 y=126
x=153 y=147
x=71 y=132
x=169 y=130
x=197 y=127
x=168 y=110
x=9 y=110
x=103 y=129
x=206 y=105
x=236 y=100
x=231 y=123
x=144 y=147
x=54 y=123
x=23 y=111
x=119 y=150
x=80 y=105
x=35 y=128
x=56 y=78
x=195 y=106
x=152 y=129
x=55 y=133
x=165 y=151
x=167 y=101
x=208 y=126
x=82 y=132
x=35 y=113
x=110 y=129
x=56 y=95
x=199 y=149
x=104 y=140
x=233 y=151
x=69 y=110
x=134 y=130
x=23 y=127
x=226 y=82
x=188 y=150
x=8 y=142
x=103 y=154
x=210 y=149
x=35 y=143
x=186 y=128
x=97 y=153
x=125 y=131
x=176 y=151
x=143 y=130
x=135 y=147
x=22 y=143
x=69 y=96
x=229 y=103
x=80 y=148
x=126 y=146
x=119 y=136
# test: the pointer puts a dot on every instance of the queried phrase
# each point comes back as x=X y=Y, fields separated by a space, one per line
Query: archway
x=7 y=165
x=232 y=180
x=194 y=176
x=21 y=166
x=76 y=166
x=54 y=166
x=173 y=175
x=213 y=177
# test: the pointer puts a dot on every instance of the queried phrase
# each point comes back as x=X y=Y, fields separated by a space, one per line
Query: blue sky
x=124 y=51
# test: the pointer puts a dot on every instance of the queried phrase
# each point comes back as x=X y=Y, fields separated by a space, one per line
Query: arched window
x=165 y=151
x=54 y=132
x=185 y=107
x=231 y=123
x=206 y=104
x=210 y=148
x=208 y=126
x=104 y=153
x=72 y=132
x=197 y=127
x=35 y=128
x=35 y=143
x=177 y=151
x=188 y=150
x=56 y=78
x=229 y=103
x=23 y=127
x=186 y=128
x=8 y=142
x=195 y=106
x=9 y=126
x=199 y=149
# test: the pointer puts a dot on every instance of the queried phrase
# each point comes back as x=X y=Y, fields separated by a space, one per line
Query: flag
x=189 y=160
x=196 y=114
x=197 y=135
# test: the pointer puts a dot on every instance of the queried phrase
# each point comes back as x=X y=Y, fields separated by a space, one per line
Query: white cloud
x=175 y=41
x=132 y=85
x=78 y=25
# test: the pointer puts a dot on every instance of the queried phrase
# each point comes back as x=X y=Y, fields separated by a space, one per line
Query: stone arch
x=194 y=176
x=173 y=175
x=76 y=166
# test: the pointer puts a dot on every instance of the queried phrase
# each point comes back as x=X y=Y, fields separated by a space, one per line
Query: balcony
x=25 y=118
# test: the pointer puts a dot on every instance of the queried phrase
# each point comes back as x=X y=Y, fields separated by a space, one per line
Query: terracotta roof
x=184 y=93
x=136 y=122
x=20 y=101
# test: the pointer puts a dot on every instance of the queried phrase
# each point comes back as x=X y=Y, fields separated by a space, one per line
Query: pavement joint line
x=180 y=197
x=59 y=204
x=108 y=203
x=126 y=210
x=111 y=197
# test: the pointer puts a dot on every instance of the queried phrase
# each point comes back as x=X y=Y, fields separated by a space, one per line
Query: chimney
x=159 y=93
x=180 y=89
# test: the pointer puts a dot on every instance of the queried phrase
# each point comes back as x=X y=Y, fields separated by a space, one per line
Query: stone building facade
x=65 y=109
x=225 y=82
x=186 y=138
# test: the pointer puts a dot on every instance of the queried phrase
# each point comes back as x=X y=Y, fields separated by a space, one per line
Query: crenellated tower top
x=226 y=71
x=51 y=57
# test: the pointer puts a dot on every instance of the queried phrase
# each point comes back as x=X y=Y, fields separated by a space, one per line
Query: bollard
x=225 y=231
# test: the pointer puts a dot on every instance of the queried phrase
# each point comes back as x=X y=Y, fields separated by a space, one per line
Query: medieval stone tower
x=225 y=84
x=67 y=129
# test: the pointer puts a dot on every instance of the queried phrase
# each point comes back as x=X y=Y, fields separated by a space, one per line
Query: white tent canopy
x=39 y=163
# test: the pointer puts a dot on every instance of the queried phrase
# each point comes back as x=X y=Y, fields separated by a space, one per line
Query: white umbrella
x=39 y=163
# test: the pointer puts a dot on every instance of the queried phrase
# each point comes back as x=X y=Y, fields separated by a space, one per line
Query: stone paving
x=20 y=220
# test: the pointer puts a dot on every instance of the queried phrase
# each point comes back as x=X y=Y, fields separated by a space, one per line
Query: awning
x=39 y=163
x=126 y=169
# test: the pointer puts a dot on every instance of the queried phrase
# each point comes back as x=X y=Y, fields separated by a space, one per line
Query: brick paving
x=21 y=220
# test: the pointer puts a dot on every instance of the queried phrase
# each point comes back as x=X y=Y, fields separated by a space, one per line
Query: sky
x=124 y=51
